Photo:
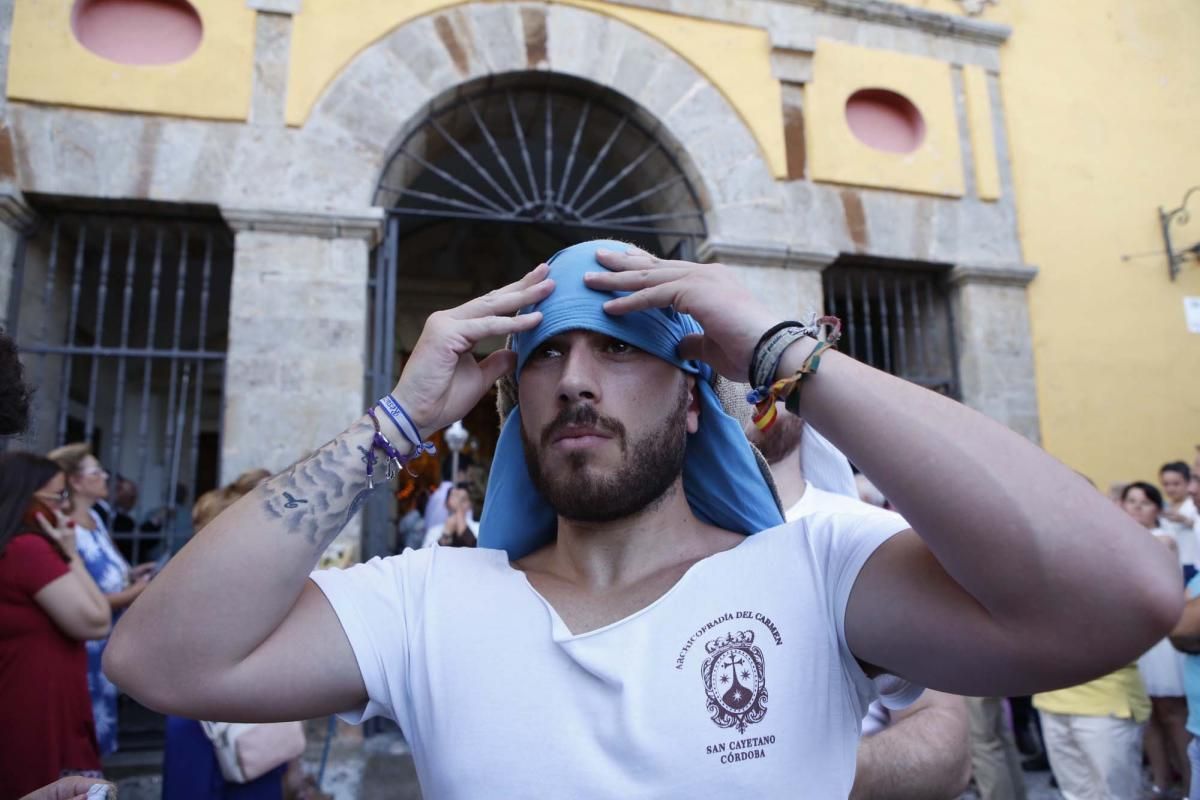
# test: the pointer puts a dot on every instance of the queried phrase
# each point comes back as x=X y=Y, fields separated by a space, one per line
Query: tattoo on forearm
x=319 y=495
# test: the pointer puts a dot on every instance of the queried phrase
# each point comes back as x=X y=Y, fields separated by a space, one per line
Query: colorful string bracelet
x=764 y=398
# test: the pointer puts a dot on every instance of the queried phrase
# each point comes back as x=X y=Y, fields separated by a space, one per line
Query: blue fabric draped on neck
x=721 y=478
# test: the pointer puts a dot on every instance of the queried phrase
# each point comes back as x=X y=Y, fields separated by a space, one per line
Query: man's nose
x=579 y=380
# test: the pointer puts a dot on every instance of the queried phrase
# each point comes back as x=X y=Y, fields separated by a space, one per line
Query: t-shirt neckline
x=562 y=634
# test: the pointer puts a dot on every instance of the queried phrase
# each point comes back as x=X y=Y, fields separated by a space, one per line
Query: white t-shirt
x=894 y=693
x=498 y=699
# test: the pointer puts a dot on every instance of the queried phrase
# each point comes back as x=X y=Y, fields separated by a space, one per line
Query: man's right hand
x=442 y=381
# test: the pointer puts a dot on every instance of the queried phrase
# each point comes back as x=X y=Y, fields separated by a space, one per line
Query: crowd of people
x=65 y=582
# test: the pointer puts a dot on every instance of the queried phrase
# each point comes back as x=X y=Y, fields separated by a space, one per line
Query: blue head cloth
x=721 y=476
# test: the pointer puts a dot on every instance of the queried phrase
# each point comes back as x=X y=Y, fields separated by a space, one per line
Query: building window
x=896 y=318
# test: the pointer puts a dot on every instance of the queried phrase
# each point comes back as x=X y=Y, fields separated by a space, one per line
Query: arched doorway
x=494 y=177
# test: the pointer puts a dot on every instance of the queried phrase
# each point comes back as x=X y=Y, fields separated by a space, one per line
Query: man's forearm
x=233 y=584
x=923 y=755
x=1062 y=575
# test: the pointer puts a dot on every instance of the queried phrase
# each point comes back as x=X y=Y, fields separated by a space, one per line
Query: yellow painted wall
x=1102 y=102
x=327 y=34
x=48 y=65
x=837 y=156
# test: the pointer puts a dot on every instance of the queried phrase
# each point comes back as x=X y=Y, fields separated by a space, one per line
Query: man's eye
x=616 y=346
x=547 y=352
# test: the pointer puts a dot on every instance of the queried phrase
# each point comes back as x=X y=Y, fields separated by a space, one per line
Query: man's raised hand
x=733 y=320
x=442 y=381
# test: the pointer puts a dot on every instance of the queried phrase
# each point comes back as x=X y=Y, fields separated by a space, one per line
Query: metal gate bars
x=122 y=323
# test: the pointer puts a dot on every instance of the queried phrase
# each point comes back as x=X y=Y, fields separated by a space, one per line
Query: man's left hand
x=733 y=320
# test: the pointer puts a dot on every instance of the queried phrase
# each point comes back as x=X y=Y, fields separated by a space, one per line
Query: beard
x=781 y=439
x=649 y=467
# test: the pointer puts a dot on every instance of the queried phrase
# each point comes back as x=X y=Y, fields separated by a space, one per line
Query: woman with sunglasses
x=49 y=605
x=87 y=483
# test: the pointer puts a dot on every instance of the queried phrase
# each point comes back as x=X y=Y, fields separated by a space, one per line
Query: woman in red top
x=49 y=605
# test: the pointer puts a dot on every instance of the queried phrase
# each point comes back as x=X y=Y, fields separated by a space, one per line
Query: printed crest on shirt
x=734 y=677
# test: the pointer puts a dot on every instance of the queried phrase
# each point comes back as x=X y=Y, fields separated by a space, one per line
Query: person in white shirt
x=1179 y=515
x=625 y=635
x=913 y=747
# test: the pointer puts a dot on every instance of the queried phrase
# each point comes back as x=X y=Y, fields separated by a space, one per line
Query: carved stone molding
x=288 y=7
x=993 y=274
x=748 y=254
x=364 y=223
x=902 y=16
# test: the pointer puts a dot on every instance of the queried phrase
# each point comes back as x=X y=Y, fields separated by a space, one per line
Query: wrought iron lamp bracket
x=1179 y=216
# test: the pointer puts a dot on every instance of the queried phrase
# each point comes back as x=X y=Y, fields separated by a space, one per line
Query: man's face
x=604 y=425
x=781 y=439
x=127 y=494
x=1194 y=488
x=1174 y=485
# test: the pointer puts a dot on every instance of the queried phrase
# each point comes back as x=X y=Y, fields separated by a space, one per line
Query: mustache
x=585 y=415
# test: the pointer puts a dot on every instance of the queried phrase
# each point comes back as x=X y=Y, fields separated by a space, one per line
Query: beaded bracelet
x=788 y=389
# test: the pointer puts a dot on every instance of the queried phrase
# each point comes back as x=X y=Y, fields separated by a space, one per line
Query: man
x=910 y=750
x=626 y=642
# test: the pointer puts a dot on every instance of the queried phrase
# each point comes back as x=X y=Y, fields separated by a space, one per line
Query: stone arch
x=370 y=105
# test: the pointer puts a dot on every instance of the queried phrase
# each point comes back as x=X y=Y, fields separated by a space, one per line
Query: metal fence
x=122 y=319
x=897 y=319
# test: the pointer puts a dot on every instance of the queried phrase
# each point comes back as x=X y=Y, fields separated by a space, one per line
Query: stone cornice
x=360 y=223
x=288 y=7
x=748 y=254
x=994 y=274
x=902 y=16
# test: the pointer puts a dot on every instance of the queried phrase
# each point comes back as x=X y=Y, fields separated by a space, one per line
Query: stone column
x=787 y=281
x=16 y=220
x=995 y=349
x=297 y=335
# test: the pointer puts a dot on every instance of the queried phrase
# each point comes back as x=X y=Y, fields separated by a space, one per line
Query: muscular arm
x=232 y=628
x=1023 y=577
x=922 y=755
x=236 y=600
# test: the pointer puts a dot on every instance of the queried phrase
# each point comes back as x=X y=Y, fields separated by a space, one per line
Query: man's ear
x=693 y=404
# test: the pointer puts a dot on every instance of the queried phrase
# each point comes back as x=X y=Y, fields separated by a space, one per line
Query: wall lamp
x=1179 y=216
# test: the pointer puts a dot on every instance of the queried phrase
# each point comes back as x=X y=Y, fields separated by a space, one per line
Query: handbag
x=246 y=751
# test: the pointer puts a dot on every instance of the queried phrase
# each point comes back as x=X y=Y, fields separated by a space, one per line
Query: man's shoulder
x=819 y=501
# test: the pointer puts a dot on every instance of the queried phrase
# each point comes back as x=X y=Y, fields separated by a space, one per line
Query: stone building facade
x=280 y=136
